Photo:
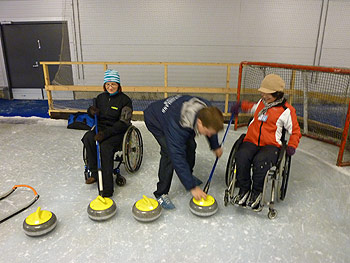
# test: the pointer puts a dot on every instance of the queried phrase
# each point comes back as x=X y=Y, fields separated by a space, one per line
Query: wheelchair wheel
x=120 y=181
x=85 y=156
x=231 y=163
x=272 y=214
x=87 y=172
x=132 y=149
x=231 y=166
x=285 y=177
x=279 y=175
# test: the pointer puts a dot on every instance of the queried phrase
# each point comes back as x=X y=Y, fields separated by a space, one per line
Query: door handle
x=36 y=65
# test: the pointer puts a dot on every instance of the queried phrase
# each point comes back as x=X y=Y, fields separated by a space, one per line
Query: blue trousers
x=166 y=169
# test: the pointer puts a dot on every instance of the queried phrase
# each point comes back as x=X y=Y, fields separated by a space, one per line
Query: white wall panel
x=279 y=23
x=13 y=9
x=336 y=43
x=199 y=31
x=193 y=31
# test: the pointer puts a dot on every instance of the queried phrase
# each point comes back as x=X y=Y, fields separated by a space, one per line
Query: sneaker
x=242 y=197
x=165 y=202
x=254 y=200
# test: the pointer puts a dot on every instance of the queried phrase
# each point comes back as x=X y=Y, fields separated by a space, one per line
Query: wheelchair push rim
x=231 y=163
x=132 y=149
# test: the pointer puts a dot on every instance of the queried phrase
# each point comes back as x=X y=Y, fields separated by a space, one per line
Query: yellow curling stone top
x=146 y=204
x=204 y=202
x=101 y=203
x=38 y=217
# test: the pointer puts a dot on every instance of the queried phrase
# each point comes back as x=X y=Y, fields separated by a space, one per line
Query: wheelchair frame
x=278 y=175
x=131 y=155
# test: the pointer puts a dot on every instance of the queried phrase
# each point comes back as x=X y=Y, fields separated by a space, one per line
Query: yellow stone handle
x=148 y=202
x=38 y=214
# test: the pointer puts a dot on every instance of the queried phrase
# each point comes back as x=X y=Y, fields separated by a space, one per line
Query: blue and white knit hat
x=111 y=76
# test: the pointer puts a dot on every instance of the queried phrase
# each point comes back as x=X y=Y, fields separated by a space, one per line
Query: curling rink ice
x=313 y=222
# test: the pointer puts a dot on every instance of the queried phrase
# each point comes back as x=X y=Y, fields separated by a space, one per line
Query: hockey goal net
x=320 y=96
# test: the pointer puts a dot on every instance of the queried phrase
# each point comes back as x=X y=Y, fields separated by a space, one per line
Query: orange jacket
x=269 y=132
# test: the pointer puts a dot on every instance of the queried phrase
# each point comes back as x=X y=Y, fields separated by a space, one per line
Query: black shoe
x=254 y=200
x=242 y=197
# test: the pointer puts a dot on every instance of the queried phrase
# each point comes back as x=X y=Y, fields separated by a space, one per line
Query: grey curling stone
x=146 y=209
x=101 y=208
x=204 y=208
x=33 y=227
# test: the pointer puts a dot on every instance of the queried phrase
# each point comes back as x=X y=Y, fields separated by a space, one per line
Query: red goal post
x=320 y=95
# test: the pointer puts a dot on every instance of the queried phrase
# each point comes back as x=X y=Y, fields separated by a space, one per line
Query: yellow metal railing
x=139 y=89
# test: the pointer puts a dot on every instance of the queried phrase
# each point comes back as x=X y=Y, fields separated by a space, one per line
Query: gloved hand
x=236 y=106
x=290 y=150
x=94 y=111
x=99 y=136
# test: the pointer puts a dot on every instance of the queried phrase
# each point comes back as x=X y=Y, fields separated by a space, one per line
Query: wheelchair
x=275 y=183
x=130 y=154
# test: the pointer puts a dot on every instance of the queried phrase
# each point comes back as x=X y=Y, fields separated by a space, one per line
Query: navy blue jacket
x=175 y=119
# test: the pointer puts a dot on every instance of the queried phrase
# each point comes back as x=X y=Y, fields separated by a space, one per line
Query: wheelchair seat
x=130 y=153
x=276 y=179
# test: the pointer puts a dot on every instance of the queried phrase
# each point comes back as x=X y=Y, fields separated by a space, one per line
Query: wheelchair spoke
x=133 y=150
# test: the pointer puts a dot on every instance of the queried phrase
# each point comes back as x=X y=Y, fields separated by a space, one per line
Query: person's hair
x=278 y=95
x=119 y=87
x=211 y=117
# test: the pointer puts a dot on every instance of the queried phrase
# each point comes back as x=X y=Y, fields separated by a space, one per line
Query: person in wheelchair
x=174 y=123
x=260 y=147
x=114 y=110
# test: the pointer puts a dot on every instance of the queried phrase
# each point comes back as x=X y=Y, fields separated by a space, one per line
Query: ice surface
x=312 y=225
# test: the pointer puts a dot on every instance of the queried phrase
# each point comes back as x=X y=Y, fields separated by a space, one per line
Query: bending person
x=174 y=123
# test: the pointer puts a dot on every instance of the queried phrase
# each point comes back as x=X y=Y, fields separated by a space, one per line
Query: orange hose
x=24 y=185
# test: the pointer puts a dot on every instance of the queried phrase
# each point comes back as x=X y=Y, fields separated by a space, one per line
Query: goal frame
x=334 y=70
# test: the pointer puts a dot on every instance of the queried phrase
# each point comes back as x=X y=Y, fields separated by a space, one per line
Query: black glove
x=99 y=136
x=290 y=150
x=94 y=111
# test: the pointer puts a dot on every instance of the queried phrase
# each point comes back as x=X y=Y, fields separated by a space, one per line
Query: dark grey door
x=25 y=44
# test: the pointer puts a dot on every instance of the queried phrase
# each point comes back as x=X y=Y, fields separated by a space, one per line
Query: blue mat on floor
x=331 y=114
x=39 y=108
x=24 y=108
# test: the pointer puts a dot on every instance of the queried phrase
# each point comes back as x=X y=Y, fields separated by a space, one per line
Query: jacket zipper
x=260 y=132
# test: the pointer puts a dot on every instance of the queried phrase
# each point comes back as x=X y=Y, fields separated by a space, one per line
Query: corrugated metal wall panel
x=195 y=31
x=336 y=49
x=13 y=9
x=199 y=31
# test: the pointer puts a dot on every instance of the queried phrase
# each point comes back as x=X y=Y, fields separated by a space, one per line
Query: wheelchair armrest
x=239 y=141
x=281 y=153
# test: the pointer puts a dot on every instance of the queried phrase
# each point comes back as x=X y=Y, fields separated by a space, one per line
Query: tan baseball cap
x=272 y=83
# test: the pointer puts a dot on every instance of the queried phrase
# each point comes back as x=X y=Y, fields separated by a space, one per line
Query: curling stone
x=146 y=209
x=39 y=223
x=102 y=208
x=203 y=207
